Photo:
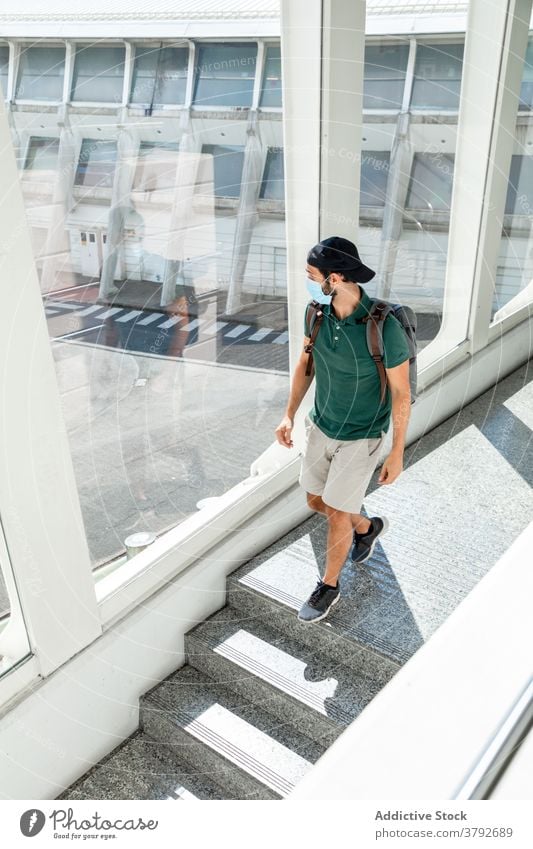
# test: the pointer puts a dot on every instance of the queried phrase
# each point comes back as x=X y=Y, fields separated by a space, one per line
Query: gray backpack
x=374 y=336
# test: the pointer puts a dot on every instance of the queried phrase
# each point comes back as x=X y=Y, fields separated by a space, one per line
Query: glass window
x=41 y=72
x=42 y=154
x=96 y=165
x=98 y=74
x=271 y=90
x=4 y=67
x=519 y=199
x=437 y=77
x=374 y=176
x=225 y=74
x=187 y=280
x=273 y=186
x=430 y=186
x=15 y=647
x=526 y=89
x=220 y=172
x=156 y=166
x=514 y=275
x=384 y=75
x=159 y=75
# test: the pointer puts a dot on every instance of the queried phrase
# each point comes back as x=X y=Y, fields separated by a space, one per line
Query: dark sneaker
x=318 y=605
x=363 y=544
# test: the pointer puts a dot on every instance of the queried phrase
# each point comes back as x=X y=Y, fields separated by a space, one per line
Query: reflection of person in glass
x=175 y=338
x=150 y=339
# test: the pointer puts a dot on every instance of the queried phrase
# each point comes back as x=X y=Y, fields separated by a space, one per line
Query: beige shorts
x=337 y=469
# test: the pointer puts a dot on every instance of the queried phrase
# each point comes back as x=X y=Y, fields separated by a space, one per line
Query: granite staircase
x=259 y=700
x=262 y=695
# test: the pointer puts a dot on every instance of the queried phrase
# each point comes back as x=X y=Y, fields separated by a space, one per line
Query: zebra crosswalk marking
x=130 y=315
x=109 y=313
x=89 y=310
x=237 y=331
x=260 y=334
x=64 y=306
x=191 y=325
x=169 y=322
x=149 y=318
x=214 y=328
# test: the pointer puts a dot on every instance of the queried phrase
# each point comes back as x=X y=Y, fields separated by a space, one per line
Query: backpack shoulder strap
x=314 y=309
x=378 y=313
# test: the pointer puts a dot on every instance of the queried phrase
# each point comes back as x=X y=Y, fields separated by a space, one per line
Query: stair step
x=245 y=751
x=369 y=626
x=316 y=694
x=140 y=768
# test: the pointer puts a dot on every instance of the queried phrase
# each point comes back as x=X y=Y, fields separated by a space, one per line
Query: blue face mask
x=315 y=290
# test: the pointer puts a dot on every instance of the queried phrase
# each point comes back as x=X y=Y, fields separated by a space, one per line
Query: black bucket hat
x=338 y=254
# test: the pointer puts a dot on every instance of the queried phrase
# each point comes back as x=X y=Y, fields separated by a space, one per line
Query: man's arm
x=299 y=385
x=398 y=381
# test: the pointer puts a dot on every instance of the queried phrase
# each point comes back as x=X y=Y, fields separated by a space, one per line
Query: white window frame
x=485 y=140
x=39 y=505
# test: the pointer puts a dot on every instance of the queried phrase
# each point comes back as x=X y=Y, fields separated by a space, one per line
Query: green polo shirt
x=347 y=385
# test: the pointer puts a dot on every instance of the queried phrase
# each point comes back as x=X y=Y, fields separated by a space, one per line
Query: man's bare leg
x=359 y=523
x=340 y=538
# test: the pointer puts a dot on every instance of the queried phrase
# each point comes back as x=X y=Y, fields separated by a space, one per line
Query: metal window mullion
x=15 y=63
x=128 y=73
x=70 y=50
x=189 y=88
x=259 y=70
x=10 y=85
x=409 y=75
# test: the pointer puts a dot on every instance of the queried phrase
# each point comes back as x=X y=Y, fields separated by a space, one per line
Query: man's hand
x=392 y=467
x=284 y=431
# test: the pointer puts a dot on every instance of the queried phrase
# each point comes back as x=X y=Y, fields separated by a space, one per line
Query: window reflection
x=514 y=274
x=4 y=67
x=221 y=170
x=271 y=89
x=273 y=185
x=42 y=155
x=406 y=188
x=375 y=167
x=98 y=74
x=437 y=79
x=14 y=645
x=41 y=72
x=384 y=77
x=526 y=88
x=430 y=186
x=160 y=75
x=96 y=164
x=225 y=75
x=160 y=249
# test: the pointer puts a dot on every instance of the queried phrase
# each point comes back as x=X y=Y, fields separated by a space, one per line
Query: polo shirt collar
x=362 y=309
